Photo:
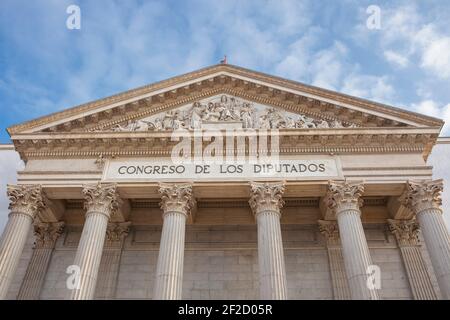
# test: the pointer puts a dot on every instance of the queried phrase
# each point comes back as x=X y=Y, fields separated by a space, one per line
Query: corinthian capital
x=344 y=195
x=101 y=198
x=116 y=232
x=47 y=233
x=26 y=199
x=422 y=195
x=266 y=196
x=406 y=231
x=330 y=230
x=176 y=198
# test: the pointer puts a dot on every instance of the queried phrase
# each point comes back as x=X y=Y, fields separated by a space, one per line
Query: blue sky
x=45 y=67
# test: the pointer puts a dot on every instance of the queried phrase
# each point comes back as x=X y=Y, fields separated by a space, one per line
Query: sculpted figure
x=323 y=124
x=337 y=124
x=235 y=109
x=289 y=123
x=264 y=122
x=305 y=122
x=141 y=125
x=247 y=116
x=210 y=113
x=158 y=125
x=196 y=116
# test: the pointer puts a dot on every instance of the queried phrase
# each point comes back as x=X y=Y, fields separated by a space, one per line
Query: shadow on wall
x=10 y=163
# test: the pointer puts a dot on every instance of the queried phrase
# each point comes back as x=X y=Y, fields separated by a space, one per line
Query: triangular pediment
x=252 y=99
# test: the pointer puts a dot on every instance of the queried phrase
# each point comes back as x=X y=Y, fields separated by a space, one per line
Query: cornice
x=234 y=70
x=291 y=141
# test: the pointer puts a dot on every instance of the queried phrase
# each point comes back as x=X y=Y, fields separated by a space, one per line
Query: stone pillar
x=266 y=202
x=110 y=262
x=102 y=201
x=407 y=234
x=344 y=201
x=424 y=200
x=330 y=230
x=46 y=235
x=25 y=203
x=177 y=203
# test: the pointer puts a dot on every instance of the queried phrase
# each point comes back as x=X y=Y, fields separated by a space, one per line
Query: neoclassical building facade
x=225 y=183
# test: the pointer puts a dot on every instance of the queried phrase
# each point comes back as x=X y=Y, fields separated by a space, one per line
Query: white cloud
x=436 y=57
x=396 y=58
x=407 y=35
x=328 y=66
x=370 y=87
x=434 y=109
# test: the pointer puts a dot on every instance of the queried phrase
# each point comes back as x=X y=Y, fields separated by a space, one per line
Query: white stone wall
x=221 y=263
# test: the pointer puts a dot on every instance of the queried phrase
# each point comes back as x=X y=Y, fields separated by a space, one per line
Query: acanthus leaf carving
x=422 y=195
x=46 y=234
x=266 y=196
x=101 y=198
x=330 y=230
x=25 y=199
x=116 y=232
x=405 y=231
x=176 y=198
x=344 y=195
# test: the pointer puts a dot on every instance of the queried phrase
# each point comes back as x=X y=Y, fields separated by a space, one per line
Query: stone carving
x=100 y=161
x=421 y=195
x=102 y=198
x=27 y=199
x=344 y=195
x=227 y=109
x=266 y=196
x=406 y=231
x=117 y=231
x=330 y=230
x=47 y=233
x=176 y=198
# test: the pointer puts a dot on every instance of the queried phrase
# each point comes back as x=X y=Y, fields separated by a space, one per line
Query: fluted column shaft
x=110 y=261
x=356 y=254
x=25 y=202
x=437 y=242
x=407 y=235
x=330 y=230
x=169 y=270
x=177 y=202
x=101 y=202
x=424 y=199
x=344 y=200
x=266 y=203
x=46 y=235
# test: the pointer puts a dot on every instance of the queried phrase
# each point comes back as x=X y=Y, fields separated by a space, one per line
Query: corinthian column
x=101 y=202
x=344 y=201
x=266 y=202
x=177 y=202
x=46 y=235
x=424 y=199
x=330 y=230
x=25 y=203
x=407 y=234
